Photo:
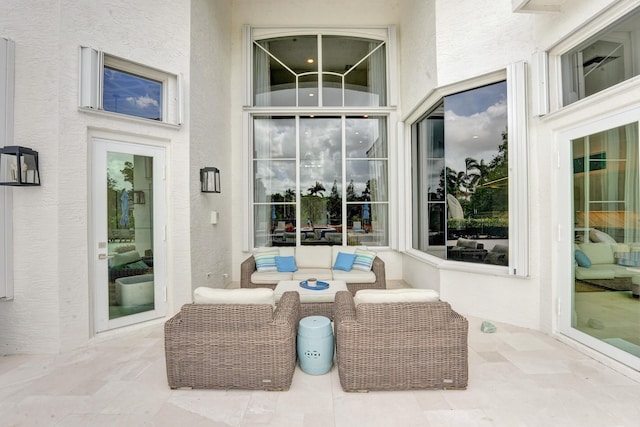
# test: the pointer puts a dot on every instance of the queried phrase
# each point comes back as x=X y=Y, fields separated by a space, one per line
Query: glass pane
x=130 y=234
x=274 y=180
x=308 y=90
x=274 y=137
x=367 y=180
x=366 y=137
x=276 y=64
x=320 y=172
x=331 y=90
x=602 y=61
x=126 y=93
x=363 y=66
x=607 y=236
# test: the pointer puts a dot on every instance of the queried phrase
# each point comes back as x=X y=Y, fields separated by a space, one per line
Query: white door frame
x=99 y=241
x=565 y=271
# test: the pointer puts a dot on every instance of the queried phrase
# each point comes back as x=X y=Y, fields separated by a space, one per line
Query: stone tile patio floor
x=517 y=377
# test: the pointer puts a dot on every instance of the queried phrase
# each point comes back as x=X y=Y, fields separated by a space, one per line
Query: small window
x=119 y=86
x=602 y=61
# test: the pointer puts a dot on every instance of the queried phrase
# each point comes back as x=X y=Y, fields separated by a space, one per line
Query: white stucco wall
x=52 y=310
x=211 y=142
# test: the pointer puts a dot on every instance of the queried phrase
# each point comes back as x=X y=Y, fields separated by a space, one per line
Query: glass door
x=129 y=242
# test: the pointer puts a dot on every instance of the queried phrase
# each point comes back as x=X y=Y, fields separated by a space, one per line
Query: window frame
x=91 y=86
x=515 y=76
x=386 y=33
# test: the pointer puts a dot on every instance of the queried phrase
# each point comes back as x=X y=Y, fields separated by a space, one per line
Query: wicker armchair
x=233 y=346
x=400 y=346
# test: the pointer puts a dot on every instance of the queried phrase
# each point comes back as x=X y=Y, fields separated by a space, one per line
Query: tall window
x=604 y=60
x=460 y=177
x=319 y=176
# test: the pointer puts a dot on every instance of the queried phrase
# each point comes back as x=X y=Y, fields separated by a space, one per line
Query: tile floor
x=517 y=377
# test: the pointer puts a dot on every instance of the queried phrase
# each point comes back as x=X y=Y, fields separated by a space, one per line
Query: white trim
x=518 y=169
x=540 y=83
x=564 y=196
x=91 y=85
x=7 y=78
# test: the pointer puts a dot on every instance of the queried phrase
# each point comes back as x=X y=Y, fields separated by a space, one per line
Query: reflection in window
x=602 y=61
x=606 y=200
x=127 y=93
x=325 y=206
x=286 y=71
x=460 y=177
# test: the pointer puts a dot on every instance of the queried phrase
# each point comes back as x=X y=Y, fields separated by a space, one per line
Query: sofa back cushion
x=205 y=295
x=313 y=257
x=598 y=253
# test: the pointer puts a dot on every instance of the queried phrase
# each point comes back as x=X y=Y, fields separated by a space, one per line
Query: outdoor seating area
x=397 y=339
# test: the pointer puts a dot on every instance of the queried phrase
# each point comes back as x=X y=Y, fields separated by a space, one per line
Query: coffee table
x=312 y=302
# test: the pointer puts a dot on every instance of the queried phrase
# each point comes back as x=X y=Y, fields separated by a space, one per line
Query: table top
x=311 y=295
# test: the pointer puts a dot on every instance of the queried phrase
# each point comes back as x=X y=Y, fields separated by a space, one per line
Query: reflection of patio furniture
x=399 y=345
x=129 y=264
x=121 y=234
x=233 y=345
x=499 y=255
x=466 y=250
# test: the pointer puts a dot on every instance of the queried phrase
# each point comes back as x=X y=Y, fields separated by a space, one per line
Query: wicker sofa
x=315 y=261
x=399 y=345
x=229 y=346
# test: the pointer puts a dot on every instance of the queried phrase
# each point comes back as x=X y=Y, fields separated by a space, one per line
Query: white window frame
x=519 y=234
x=92 y=63
x=386 y=33
x=7 y=73
x=551 y=58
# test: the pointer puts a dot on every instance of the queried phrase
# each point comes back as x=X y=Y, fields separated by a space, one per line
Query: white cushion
x=600 y=236
x=598 y=253
x=355 y=276
x=125 y=258
x=318 y=273
x=365 y=296
x=270 y=277
x=313 y=257
x=204 y=295
x=335 y=250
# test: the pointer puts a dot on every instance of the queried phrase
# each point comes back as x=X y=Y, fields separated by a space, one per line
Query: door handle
x=104 y=256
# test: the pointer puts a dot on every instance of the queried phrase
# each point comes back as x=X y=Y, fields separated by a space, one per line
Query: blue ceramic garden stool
x=315 y=345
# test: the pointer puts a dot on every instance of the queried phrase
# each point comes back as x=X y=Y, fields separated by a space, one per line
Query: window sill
x=124 y=117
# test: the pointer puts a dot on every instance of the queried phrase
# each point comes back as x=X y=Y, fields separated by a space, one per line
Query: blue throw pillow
x=582 y=259
x=286 y=264
x=344 y=261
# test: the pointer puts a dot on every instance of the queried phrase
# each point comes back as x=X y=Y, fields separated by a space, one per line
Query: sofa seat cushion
x=318 y=273
x=269 y=277
x=583 y=273
x=355 y=276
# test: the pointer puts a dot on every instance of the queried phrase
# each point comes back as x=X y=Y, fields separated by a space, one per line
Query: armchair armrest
x=288 y=309
x=247 y=267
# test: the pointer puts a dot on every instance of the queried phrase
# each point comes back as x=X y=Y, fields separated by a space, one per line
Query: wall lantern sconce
x=210 y=180
x=19 y=166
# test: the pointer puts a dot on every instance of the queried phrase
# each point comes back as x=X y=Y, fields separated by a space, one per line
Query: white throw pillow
x=601 y=237
x=395 y=295
x=205 y=295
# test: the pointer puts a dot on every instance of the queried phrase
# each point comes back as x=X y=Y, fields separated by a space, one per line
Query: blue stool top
x=315 y=326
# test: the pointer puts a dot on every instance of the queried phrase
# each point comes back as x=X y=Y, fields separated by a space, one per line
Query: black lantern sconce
x=210 y=180
x=19 y=166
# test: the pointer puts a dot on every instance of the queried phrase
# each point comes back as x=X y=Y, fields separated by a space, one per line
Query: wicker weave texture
x=233 y=346
x=400 y=346
x=248 y=266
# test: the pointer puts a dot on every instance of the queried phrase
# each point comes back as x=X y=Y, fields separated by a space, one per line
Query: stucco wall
x=211 y=142
x=52 y=309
